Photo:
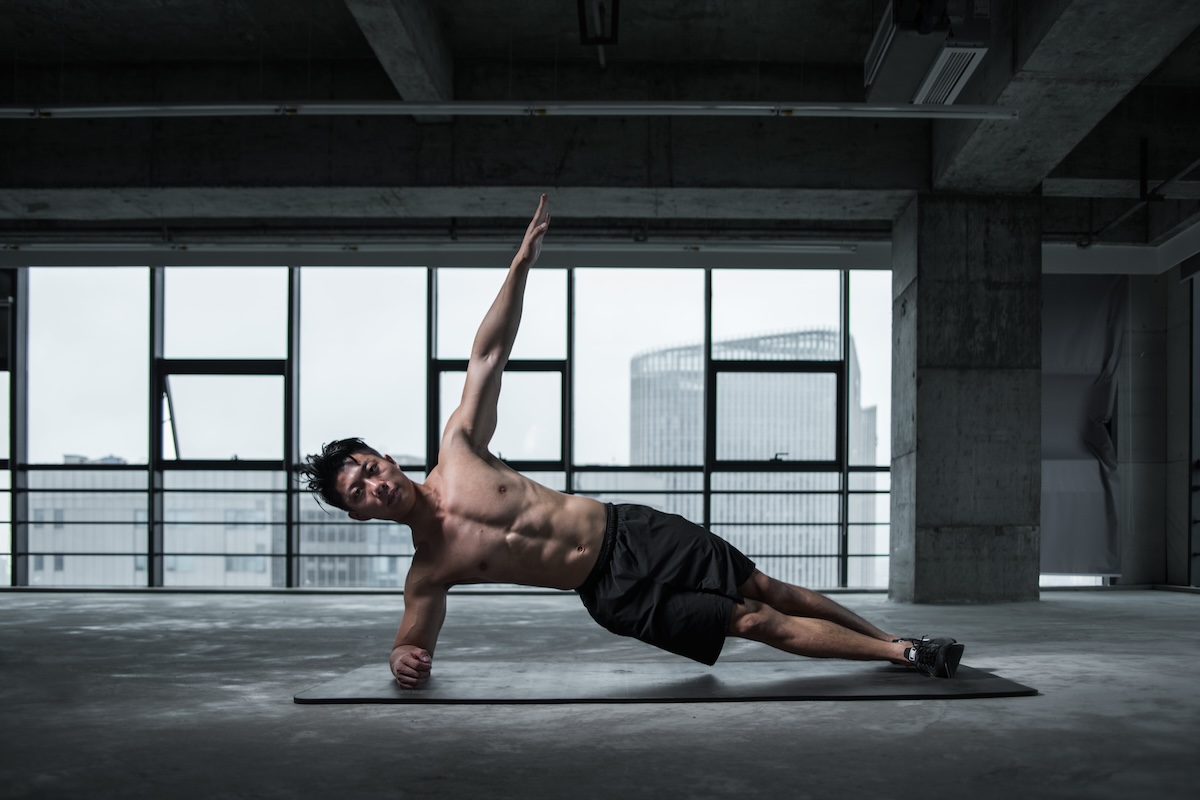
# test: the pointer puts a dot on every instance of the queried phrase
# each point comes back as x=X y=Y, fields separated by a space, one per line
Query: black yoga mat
x=484 y=682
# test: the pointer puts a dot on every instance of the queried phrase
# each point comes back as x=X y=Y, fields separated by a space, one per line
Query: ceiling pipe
x=469 y=108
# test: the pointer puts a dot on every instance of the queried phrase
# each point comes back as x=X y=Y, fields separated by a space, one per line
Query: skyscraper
x=790 y=522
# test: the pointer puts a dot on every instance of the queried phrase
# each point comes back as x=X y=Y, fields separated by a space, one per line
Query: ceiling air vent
x=949 y=74
x=925 y=51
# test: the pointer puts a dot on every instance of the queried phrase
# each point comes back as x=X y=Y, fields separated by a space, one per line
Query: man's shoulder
x=423 y=574
x=455 y=442
x=458 y=454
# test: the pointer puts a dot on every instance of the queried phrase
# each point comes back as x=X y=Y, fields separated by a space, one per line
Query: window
x=256 y=564
x=776 y=314
x=5 y=415
x=776 y=436
x=224 y=417
x=776 y=416
x=362 y=359
x=870 y=363
x=529 y=426
x=639 y=367
x=5 y=528
x=465 y=295
x=225 y=312
x=88 y=338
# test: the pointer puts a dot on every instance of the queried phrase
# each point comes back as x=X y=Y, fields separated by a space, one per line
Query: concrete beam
x=1166 y=118
x=1065 y=64
x=409 y=44
x=1128 y=188
x=408 y=202
x=508 y=151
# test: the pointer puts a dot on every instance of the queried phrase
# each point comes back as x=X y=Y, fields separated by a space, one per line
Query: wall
x=1153 y=408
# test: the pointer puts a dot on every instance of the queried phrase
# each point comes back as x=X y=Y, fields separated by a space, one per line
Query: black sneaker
x=937 y=658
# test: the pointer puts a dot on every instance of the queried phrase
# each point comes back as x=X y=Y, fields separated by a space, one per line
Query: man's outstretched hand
x=411 y=667
x=531 y=246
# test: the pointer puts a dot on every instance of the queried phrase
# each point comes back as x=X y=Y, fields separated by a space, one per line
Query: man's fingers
x=411 y=678
x=416 y=664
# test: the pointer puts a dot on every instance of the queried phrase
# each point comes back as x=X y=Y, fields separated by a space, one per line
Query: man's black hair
x=322 y=469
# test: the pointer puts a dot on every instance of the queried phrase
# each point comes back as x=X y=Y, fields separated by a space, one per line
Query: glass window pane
x=776 y=314
x=224 y=417
x=224 y=539
x=240 y=511
x=869 y=508
x=90 y=507
x=370 y=382
x=869 y=540
x=653 y=482
x=776 y=509
x=673 y=492
x=870 y=384
x=868 y=572
x=5 y=528
x=639 y=367
x=240 y=570
x=4 y=414
x=88 y=356
x=771 y=415
x=5 y=558
x=757 y=541
x=384 y=572
x=225 y=312
x=128 y=538
x=870 y=481
x=529 y=426
x=375 y=538
x=87 y=479
x=776 y=481
x=465 y=295
x=86 y=570
x=232 y=480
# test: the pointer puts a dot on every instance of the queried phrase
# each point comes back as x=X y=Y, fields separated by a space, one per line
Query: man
x=639 y=572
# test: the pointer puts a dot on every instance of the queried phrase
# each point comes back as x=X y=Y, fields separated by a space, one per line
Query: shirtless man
x=639 y=572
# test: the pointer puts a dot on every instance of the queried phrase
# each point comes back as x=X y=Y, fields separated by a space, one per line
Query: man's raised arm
x=476 y=414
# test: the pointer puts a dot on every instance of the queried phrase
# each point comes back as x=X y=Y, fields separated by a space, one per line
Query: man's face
x=373 y=487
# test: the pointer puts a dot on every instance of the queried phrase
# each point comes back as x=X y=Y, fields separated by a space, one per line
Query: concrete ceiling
x=1106 y=97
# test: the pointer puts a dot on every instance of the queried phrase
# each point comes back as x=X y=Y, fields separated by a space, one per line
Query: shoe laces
x=923 y=653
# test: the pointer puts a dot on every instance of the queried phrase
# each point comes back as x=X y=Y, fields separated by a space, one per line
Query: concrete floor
x=190 y=696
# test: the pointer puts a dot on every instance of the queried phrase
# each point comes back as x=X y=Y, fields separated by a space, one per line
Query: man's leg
x=806 y=636
x=796 y=601
x=818 y=634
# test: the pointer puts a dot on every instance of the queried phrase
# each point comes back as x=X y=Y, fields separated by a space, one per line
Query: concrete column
x=966 y=399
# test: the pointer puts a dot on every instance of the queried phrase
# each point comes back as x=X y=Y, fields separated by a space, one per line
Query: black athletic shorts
x=666 y=581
